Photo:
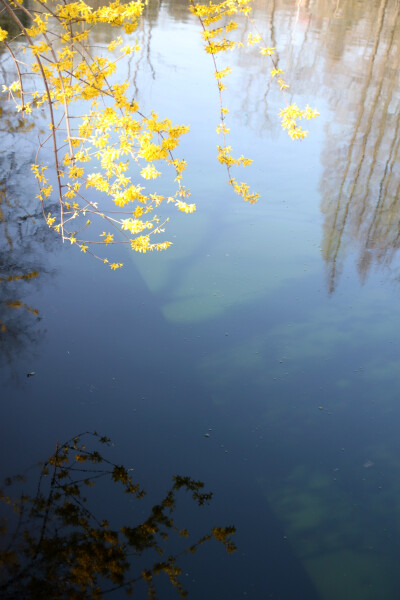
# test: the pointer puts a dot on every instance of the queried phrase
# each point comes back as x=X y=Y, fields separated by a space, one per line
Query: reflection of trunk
x=337 y=231
x=341 y=214
x=377 y=233
x=8 y=23
x=25 y=239
x=350 y=56
x=145 y=56
x=393 y=209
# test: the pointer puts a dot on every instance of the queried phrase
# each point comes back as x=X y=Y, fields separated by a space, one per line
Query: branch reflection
x=361 y=204
x=350 y=58
x=58 y=546
x=25 y=239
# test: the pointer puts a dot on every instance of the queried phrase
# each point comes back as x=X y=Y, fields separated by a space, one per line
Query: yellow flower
x=222 y=128
x=223 y=73
x=282 y=84
x=253 y=39
x=276 y=72
x=141 y=243
x=108 y=237
x=162 y=245
x=186 y=208
x=150 y=172
x=50 y=220
x=135 y=225
x=267 y=51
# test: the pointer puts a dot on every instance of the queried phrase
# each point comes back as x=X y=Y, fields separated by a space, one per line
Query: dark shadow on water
x=84 y=529
x=55 y=543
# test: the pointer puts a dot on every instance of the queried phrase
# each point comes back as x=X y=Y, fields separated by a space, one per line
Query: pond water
x=261 y=352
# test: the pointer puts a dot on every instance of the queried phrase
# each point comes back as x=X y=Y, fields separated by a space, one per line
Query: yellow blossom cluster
x=109 y=156
x=216 y=21
x=289 y=117
x=108 y=151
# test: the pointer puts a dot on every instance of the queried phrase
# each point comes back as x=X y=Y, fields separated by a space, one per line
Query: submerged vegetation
x=108 y=155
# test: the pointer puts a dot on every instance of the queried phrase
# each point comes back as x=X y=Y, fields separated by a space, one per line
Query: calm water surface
x=272 y=328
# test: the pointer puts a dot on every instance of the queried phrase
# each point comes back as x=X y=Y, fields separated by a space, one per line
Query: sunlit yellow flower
x=150 y=172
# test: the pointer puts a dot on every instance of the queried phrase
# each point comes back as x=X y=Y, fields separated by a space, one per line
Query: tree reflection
x=25 y=239
x=338 y=51
x=364 y=206
x=59 y=547
x=354 y=59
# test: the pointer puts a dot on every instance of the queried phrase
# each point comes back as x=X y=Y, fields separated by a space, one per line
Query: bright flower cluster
x=109 y=158
x=216 y=21
x=112 y=149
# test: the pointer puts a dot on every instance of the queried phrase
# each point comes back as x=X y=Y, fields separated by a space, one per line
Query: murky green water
x=272 y=328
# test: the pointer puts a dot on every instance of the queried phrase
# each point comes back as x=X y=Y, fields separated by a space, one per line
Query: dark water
x=272 y=328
